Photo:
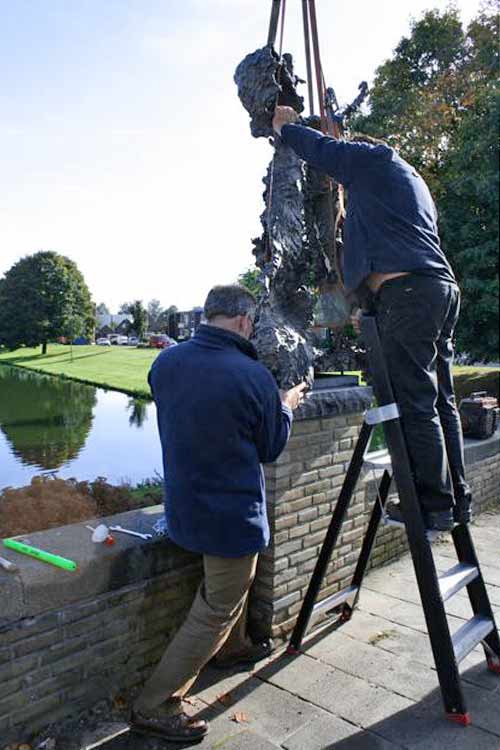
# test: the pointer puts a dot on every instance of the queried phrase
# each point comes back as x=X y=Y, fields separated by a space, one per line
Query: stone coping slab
x=479 y=450
x=39 y=587
x=335 y=402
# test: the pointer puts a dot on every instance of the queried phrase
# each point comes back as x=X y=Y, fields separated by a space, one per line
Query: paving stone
x=331 y=733
x=474 y=670
x=274 y=713
x=424 y=727
x=409 y=614
x=390 y=636
x=400 y=675
x=355 y=700
x=295 y=673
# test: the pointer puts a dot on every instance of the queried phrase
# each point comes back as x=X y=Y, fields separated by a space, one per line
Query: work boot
x=177 y=728
x=439 y=520
x=462 y=510
x=249 y=656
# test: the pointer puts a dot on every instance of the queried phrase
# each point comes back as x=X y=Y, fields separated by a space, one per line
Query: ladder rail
x=448 y=649
x=331 y=537
x=420 y=550
x=478 y=596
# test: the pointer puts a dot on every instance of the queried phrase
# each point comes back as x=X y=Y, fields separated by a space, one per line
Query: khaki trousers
x=217 y=618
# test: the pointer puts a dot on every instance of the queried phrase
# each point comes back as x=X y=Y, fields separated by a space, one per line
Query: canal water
x=52 y=425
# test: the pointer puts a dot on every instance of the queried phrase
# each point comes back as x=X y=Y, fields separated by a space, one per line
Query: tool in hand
x=8 y=565
x=121 y=530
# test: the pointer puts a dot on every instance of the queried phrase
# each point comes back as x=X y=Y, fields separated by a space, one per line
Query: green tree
x=102 y=309
x=250 y=280
x=155 y=311
x=39 y=296
x=163 y=320
x=139 y=317
x=436 y=100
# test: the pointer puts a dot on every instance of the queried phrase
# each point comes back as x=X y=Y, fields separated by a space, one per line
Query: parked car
x=161 y=341
x=132 y=341
x=103 y=342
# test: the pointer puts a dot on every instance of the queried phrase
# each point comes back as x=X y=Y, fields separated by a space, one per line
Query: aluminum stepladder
x=448 y=650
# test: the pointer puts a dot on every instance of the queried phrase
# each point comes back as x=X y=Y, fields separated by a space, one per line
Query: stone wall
x=69 y=640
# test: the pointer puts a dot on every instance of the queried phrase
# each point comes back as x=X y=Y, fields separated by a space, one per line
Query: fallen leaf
x=24 y=746
x=119 y=702
x=226 y=699
x=240 y=718
x=189 y=701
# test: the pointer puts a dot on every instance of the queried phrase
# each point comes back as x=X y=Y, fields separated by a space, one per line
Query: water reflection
x=76 y=430
x=138 y=411
x=45 y=420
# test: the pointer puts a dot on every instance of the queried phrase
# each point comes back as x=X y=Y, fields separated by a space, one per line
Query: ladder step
x=335 y=600
x=378 y=460
x=456 y=578
x=470 y=634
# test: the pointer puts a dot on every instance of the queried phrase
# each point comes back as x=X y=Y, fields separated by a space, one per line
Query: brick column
x=302 y=489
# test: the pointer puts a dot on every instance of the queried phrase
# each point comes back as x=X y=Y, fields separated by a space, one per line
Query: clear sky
x=123 y=144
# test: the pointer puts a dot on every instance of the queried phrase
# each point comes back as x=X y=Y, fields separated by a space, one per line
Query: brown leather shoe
x=178 y=728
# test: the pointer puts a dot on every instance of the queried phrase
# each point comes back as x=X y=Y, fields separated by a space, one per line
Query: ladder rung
x=456 y=578
x=378 y=460
x=470 y=634
x=335 y=600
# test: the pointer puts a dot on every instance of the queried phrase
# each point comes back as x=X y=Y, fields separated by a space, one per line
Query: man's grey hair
x=229 y=301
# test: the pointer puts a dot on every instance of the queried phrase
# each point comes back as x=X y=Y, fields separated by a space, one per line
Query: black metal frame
x=420 y=549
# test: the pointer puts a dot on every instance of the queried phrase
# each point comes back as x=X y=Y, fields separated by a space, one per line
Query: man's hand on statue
x=284 y=116
x=294 y=397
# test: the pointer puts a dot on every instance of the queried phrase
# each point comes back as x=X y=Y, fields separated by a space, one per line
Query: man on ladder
x=395 y=265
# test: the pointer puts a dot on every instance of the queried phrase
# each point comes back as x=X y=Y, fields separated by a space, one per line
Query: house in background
x=184 y=324
x=108 y=324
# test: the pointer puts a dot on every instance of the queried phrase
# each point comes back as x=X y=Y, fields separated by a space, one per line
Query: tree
x=39 y=296
x=250 y=280
x=74 y=326
x=102 y=309
x=154 y=314
x=139 y=317
x=437 y=101
x=164 y=319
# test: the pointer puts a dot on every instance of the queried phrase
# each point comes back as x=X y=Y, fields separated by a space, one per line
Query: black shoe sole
x=167 y=737
x=243 y=662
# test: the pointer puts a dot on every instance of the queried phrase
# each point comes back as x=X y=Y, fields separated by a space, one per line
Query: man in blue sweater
x=220 y=417
x=393 y=252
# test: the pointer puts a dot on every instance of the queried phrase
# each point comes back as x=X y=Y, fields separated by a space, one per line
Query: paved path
x=369 y=686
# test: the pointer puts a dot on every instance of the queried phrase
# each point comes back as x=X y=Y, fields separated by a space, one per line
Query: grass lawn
x=124 y=368
x=120 y=368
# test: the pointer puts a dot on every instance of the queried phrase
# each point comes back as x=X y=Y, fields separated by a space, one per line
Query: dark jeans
x=416 y=317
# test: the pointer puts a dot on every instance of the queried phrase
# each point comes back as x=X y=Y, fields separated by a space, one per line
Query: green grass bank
x=125 y=369
x=118 y=368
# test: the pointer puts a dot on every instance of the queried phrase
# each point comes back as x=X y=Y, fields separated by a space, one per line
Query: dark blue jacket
x=391 y=222
x=220 y=417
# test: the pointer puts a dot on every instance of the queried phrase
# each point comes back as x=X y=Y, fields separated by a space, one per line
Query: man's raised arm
x=322 y=152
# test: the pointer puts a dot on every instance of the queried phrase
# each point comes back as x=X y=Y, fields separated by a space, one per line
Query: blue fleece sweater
x=220 y=417
x=391 y=222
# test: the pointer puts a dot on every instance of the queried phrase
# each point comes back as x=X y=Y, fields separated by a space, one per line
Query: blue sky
x=122 y=141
